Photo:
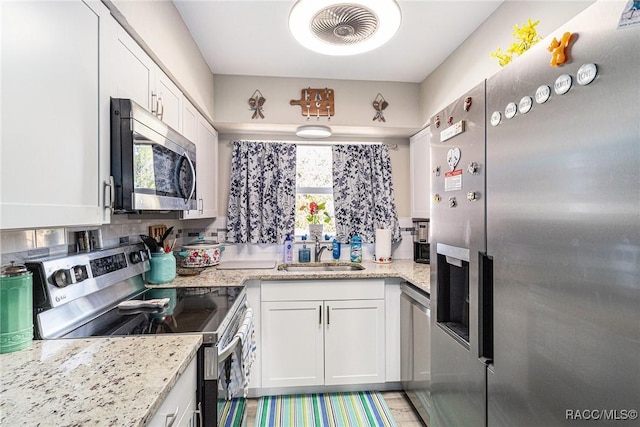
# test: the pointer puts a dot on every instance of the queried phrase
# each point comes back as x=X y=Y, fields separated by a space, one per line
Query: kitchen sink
x=299 y=268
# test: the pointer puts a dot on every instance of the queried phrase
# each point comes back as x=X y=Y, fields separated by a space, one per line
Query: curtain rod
x=391 y=146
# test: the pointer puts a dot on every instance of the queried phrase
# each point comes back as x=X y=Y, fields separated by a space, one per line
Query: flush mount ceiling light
x=311 y=131
x=347 y=28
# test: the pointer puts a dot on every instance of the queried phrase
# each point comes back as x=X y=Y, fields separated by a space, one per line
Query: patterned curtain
x=363 y=192
x=262 y=192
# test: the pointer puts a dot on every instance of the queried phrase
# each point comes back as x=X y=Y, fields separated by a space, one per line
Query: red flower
x=313 y=208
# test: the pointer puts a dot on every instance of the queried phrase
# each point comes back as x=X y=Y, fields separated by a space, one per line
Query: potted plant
x=316 y=216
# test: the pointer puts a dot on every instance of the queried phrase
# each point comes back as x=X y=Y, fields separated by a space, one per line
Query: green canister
x=162 y=268
x=16 y=308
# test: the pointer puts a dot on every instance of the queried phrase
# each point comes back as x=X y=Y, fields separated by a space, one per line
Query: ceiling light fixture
x=313 y=131
x=347 y=28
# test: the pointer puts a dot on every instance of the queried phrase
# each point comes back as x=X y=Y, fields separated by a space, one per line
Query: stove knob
x=62 y=278
x=80 y=273
x=135 y=257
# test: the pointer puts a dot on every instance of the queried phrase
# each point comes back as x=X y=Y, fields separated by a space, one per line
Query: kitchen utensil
x=16 y=308
x=201 y=254
x=82 y=241
x=261 y=101
x=150 y=242
x=164 y=237
x=252 y=104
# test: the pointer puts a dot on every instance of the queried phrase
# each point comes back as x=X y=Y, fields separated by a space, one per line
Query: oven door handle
x=228 y=350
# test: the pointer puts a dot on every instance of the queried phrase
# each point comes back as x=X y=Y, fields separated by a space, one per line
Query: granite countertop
x=417 y=274
x=119 y=381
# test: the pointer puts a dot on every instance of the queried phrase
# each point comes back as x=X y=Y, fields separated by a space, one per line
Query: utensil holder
x=163 y=268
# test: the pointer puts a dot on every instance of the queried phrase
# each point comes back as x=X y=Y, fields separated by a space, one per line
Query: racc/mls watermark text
x=601 y=414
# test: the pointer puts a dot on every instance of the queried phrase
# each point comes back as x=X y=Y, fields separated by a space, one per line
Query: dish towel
x=242 y=358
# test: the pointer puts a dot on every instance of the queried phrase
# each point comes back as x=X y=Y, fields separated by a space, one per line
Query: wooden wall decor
x=255 y=103
x=379 y=104
x=316 y=103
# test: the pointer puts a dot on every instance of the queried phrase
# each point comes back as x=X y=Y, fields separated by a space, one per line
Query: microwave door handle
x=193 y=175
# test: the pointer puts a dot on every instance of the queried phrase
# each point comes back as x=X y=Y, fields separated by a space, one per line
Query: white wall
x=471 y=63
x=354 y=111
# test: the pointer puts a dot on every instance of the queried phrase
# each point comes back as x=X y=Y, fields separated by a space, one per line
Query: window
x=314 y=182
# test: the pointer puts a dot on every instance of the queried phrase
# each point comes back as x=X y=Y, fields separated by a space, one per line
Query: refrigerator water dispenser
x=453 y=292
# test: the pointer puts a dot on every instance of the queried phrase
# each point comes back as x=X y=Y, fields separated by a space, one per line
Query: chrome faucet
x=317 y=253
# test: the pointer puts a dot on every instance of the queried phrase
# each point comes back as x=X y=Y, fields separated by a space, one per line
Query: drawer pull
x=170 y=419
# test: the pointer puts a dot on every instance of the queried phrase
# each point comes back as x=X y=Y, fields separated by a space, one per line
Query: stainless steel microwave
x=153 y=166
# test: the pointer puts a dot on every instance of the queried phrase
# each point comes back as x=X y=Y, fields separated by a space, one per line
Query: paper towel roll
x=383 y=245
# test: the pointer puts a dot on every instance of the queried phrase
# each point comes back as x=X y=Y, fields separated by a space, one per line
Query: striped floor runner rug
x=231 y=412
x=359 y=409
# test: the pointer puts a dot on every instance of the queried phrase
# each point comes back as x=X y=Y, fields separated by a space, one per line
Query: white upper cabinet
x=189 y=121
x=55 y=114
x=131 y=69
x=135 y=75
x=206 y=140
x=169 y=101
x=420 y=174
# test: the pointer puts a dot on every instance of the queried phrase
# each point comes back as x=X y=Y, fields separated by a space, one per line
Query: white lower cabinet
x=292 y=343
x=354 y=348
x=322 y=333
x=178 y=408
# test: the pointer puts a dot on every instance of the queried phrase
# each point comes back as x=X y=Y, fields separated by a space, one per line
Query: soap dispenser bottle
x=356 y=248
x=304 y=253
x=336 y=249
x=288 y=249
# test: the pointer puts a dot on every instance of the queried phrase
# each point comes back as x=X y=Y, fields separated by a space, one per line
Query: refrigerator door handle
x=485 y=308
x=486 y=361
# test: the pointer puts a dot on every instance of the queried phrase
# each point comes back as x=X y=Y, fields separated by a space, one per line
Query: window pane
x=313 y=166
x=314 y=182
x=302 y=222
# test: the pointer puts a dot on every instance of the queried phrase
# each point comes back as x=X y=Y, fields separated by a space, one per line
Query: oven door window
x=160 y=171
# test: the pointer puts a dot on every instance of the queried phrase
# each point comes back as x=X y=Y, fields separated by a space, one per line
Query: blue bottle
x=356 y=248
x=288 y=250
x=304 y=254
x=336 y=249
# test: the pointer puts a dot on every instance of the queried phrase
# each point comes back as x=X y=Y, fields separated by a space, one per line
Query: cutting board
x=245 y=265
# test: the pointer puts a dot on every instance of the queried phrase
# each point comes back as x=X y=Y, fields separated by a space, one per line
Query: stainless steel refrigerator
x=554 y=296
x=457 y=150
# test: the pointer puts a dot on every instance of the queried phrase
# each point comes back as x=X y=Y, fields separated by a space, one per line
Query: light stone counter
x=417 y=274
x=120 y=381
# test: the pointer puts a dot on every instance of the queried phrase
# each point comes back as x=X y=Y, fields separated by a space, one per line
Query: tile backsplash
x=21 y=245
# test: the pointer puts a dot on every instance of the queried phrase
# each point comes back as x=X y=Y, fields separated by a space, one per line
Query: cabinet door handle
x=199 y=412
x=201 y=206
x=328 y=311
x=112 y=194
x=319 y=315
x=154 y=104
x=160 y=108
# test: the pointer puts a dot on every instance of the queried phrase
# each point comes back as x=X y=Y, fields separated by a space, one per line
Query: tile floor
x=397 y=401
